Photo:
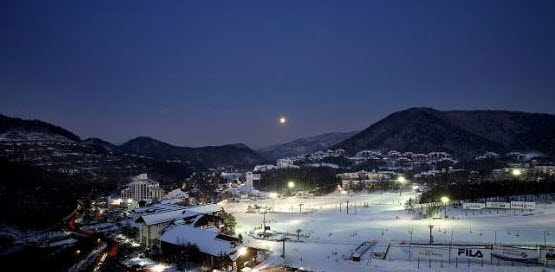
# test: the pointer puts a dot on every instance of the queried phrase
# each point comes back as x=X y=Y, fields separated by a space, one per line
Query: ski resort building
x=142 y=188
x=364 y=178
x=250 y=178
x=154 y=223
x=264 y=167
x=379 y=175
x=217 y=250
x=285 y=163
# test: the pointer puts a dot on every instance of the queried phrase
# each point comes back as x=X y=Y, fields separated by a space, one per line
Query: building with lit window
x=142 y=188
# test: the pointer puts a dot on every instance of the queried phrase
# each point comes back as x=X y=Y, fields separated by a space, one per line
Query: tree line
x=320 y=180
x=473 y=190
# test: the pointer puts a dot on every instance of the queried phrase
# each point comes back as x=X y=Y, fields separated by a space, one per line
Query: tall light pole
x=273 y=196
x=410 y=245
x=282 y=240
x=445 y=200
x=264 y=223
x=431 y=236
x=290 y=185
x=516 y=173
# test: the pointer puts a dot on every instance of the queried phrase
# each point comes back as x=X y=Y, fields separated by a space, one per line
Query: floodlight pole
x=283 y=247
x=431 y=236
x=264 y=222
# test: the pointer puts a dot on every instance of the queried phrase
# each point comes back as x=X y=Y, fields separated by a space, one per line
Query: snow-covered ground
x=328 y=235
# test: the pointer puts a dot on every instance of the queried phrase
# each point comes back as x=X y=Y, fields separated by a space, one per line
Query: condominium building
x=142 y=188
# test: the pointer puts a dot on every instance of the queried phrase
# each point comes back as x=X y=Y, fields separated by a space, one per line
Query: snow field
x=384 y=219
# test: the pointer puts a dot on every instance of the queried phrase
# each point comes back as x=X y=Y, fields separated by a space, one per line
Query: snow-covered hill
x=304 y=145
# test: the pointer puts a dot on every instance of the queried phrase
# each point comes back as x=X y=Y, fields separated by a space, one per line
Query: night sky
x=198 y=73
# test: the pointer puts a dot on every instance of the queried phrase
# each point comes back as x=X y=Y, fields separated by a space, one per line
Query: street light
x=516 y=172
x=242 y=251
x=445 y=200
x=401 y=179
x=291 y=184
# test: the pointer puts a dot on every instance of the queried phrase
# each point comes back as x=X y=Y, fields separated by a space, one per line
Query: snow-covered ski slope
x=329 y=236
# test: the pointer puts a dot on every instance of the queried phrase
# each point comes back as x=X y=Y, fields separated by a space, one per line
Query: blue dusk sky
x=196 y=73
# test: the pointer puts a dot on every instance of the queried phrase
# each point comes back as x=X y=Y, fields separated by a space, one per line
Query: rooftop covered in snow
x=165 y=216
x=208 y=241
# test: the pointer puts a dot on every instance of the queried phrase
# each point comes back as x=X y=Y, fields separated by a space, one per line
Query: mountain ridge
x=304 y=145
x=419 y=129
x=238 y=154
x=463 y=133
x=13 y=127
x=210 y=156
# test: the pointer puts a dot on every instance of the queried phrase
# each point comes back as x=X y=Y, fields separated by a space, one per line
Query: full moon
x=282 y=120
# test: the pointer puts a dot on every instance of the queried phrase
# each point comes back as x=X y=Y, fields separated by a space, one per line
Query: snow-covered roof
x=176 y=194
x=158 y=207
x=206 y=209
x=331 y=165
x=205 y=240
x=143 y=178
x=233 y=191
x=155 y=218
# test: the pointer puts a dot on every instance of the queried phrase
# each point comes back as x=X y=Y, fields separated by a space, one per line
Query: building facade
x=142 y=188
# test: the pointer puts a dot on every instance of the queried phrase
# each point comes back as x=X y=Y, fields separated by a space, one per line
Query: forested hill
x=463 y=133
